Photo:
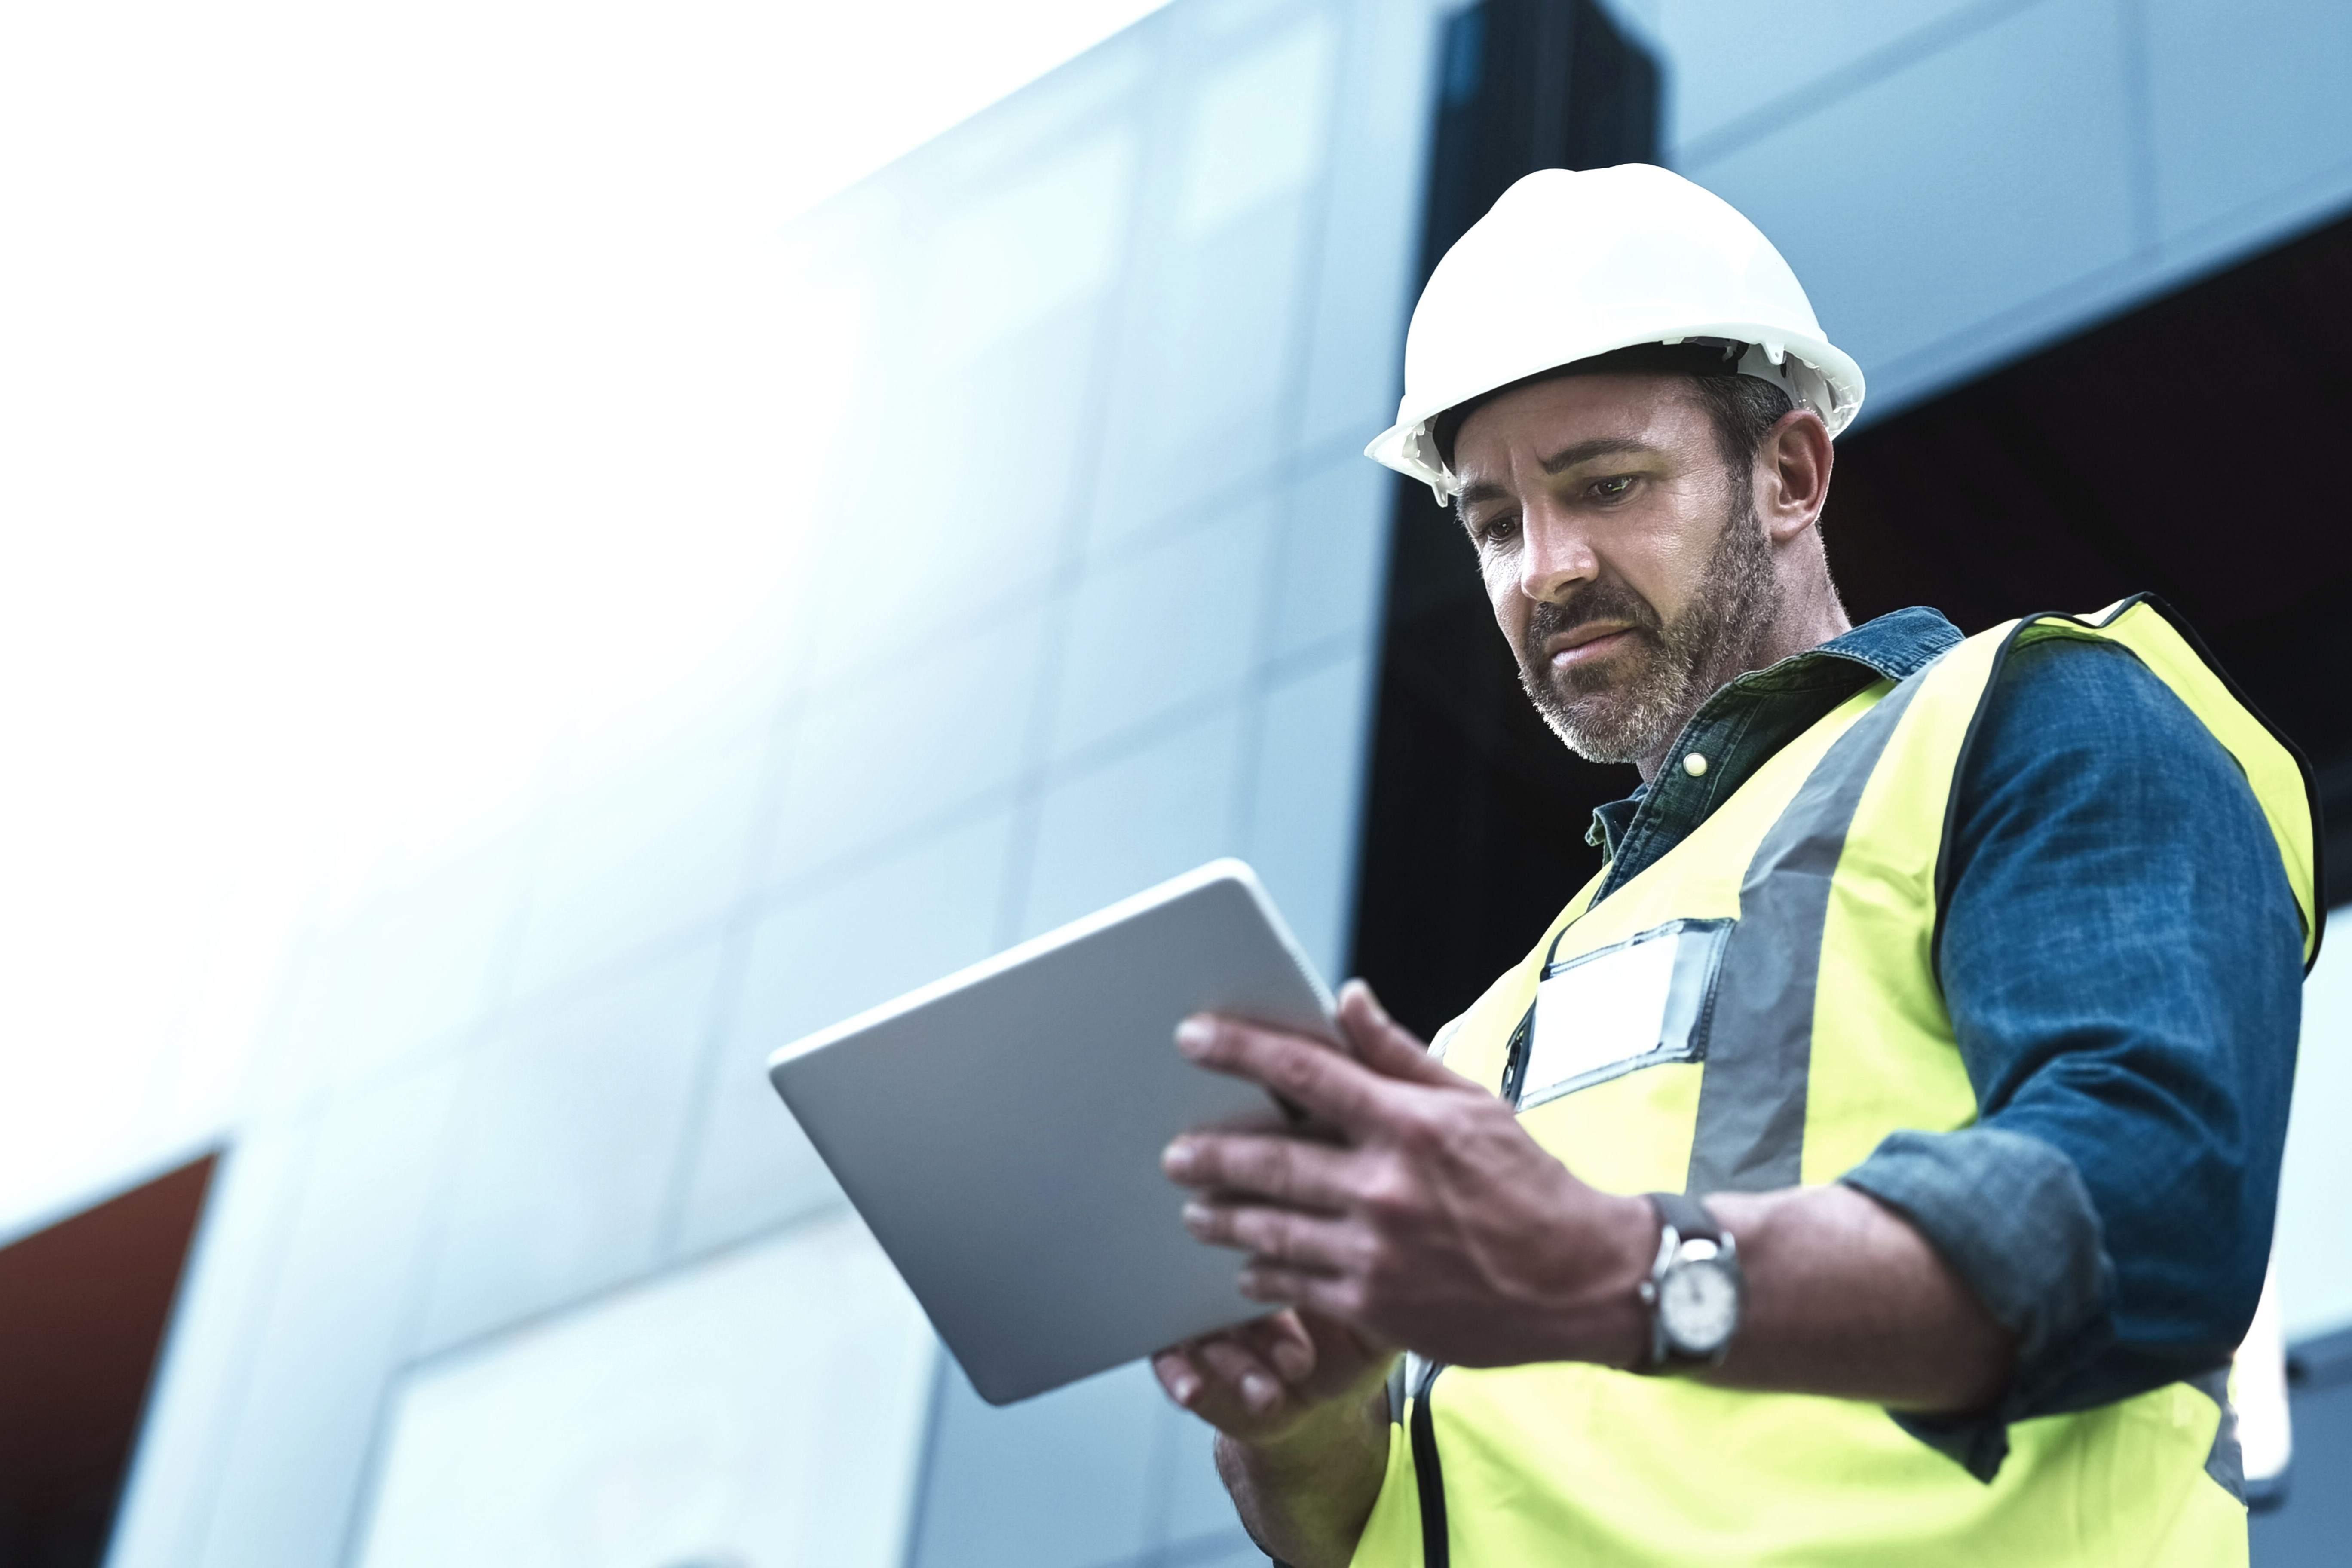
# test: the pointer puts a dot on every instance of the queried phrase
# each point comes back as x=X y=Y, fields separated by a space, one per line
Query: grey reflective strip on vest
x=2225 y=1462
x=1750 y=1134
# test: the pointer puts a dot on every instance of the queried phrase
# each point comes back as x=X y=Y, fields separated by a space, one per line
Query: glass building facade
x=510 y=1255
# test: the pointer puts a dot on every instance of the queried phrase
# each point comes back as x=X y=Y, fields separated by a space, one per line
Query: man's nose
x=1555 y=555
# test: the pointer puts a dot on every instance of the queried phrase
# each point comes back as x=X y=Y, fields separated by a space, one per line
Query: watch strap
x=1681 y=1219
x=1687 y=1216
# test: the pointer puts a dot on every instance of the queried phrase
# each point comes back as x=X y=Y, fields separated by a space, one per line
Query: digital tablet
x=1000 y=1130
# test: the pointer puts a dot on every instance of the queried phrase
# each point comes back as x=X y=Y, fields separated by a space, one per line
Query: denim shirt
x=2121 y=957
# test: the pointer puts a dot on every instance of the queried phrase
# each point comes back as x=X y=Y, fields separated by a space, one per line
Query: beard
x=1626 y=706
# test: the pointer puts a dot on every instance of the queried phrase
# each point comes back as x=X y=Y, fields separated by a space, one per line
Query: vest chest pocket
x=1642 y=1002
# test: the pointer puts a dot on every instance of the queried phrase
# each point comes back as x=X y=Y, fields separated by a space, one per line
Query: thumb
x=1382 y=1044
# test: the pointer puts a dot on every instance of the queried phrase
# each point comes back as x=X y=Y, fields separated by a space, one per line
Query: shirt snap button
x=1695 y=764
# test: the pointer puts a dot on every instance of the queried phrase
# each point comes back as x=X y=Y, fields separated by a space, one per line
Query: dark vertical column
x=1474 y=821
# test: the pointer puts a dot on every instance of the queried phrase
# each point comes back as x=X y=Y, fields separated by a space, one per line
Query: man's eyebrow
x=1585 y=451
x=1566 y=457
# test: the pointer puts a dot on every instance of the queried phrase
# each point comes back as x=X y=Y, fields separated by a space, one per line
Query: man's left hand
x=1427 y=1217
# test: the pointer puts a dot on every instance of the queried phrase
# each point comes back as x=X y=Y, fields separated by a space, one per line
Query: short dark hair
x=1742 y=408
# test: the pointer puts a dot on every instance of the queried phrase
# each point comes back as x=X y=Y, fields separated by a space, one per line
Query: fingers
x=1330 y=1295
x=1282 y=1342
x=1326 y=1083
x=1186 y=1375
x=1234 y=1364
x=1342 y=1349
x=1179 y=1378
x=1289 y=1170
x=1223 y=1381
x=1240 y=1375
x=1382 y=1044
x=1280 y=1234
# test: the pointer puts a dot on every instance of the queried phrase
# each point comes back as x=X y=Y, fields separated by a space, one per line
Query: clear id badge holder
x=1601 y=1015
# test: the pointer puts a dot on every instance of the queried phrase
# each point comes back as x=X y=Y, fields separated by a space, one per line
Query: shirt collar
x=1893 y=646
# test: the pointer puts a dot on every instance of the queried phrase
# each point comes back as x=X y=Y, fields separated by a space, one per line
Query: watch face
x=1698 y=1307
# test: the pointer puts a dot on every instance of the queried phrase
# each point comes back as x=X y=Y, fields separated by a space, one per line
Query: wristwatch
x=1695 y=1293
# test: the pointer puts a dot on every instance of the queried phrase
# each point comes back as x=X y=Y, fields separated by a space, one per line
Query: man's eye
x=1498 y=530
x=1610 y=490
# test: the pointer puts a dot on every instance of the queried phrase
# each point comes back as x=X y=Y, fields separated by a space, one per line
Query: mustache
x=1602 y=599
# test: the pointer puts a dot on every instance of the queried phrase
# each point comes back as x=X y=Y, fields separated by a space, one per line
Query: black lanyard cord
x=1428 y=1475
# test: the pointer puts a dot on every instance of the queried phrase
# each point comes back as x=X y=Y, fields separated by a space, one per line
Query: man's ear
x=1793 y=474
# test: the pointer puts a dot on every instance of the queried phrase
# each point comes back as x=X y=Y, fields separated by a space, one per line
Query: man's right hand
x=1302 y=1423
x=1261 y=1382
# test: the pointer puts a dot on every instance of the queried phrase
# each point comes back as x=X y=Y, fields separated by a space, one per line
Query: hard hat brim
x=1409 y=446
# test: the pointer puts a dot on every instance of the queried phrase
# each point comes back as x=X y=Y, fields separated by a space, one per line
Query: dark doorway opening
x=2192 y=447
x=83 y=1308
x=1476 y=815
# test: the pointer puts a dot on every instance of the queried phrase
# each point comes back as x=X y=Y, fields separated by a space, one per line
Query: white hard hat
x=1567 y=265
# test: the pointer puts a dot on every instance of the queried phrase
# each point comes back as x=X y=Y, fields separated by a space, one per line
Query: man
x=1875 y=1163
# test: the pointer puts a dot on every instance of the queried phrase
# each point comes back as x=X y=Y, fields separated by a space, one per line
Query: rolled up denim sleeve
x=2121 y=957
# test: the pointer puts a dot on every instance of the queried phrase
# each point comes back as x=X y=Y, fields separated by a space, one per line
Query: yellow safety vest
x=1780 y=965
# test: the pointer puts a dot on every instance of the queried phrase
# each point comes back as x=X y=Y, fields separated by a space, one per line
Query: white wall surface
x=386 y=389
x=1088 y=596
x=2315 y=1243
x=762 y=1410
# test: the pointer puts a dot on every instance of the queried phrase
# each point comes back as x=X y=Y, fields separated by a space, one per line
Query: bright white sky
x=380 y=386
